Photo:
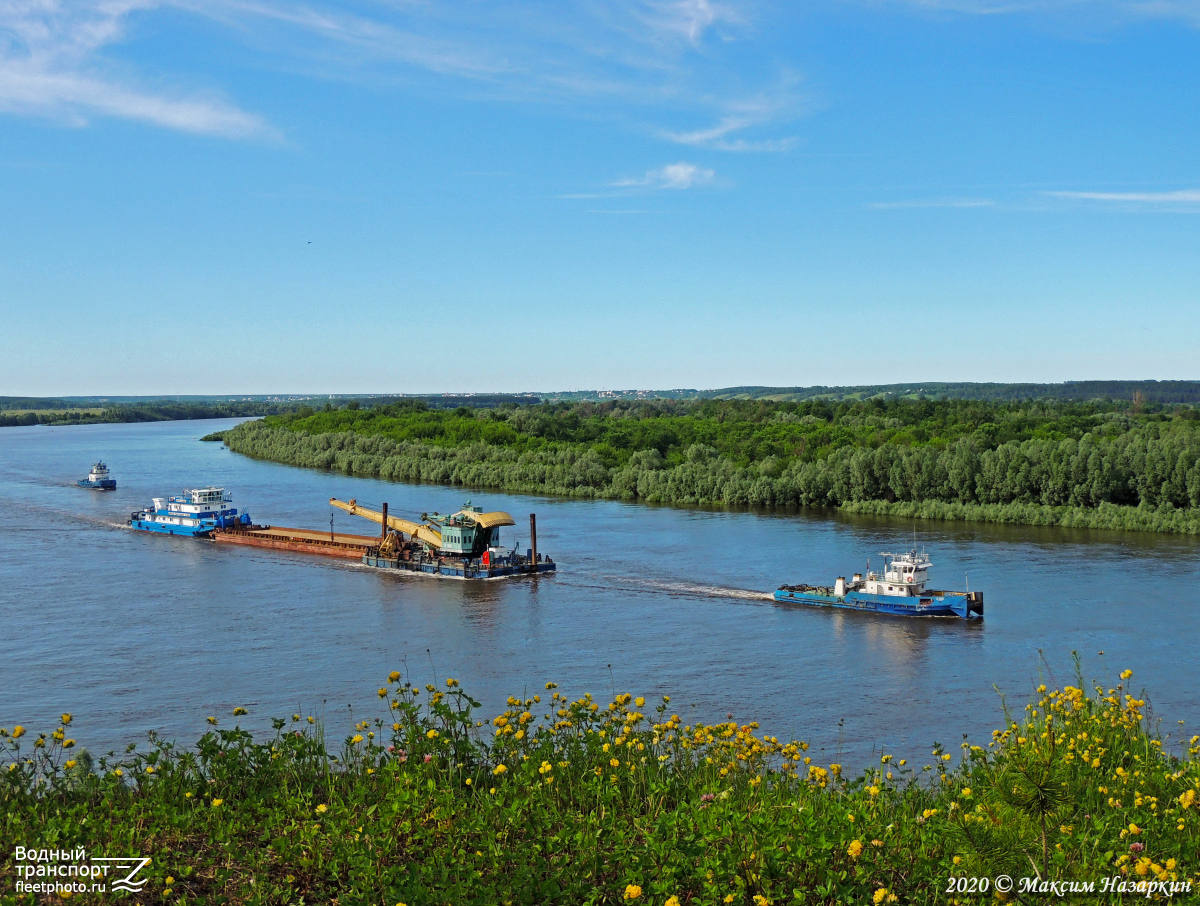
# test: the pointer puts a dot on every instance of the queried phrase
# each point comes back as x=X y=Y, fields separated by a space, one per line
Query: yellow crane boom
x=416 y=530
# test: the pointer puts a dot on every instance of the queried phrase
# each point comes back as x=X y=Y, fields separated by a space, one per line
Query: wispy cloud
x=658 y=60
x=933 y=203
x=782 y=102
x=673 y=176
x=51 y=65
x=688 y=19
x=1181 y=197
x=719 y=137
x=1094 y=13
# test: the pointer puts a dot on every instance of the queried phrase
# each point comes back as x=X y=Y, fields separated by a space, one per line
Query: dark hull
x=452 y=569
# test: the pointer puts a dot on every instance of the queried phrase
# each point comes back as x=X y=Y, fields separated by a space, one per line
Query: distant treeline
x=53 y=411
x=1149 y=391
x=142 y=412
x=1117 y=465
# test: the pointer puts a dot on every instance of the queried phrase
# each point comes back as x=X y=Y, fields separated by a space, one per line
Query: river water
x=133 y=632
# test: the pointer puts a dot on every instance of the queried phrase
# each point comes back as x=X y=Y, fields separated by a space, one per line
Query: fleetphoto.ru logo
x=72 y=871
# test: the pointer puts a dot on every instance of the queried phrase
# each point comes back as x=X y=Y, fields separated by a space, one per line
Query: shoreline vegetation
x=1105 y=465
x=580 y=800
x=28 y=411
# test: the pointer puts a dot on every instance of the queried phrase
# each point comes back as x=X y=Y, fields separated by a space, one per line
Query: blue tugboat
x=196 y=513
x=899 y=589
x=98 y=479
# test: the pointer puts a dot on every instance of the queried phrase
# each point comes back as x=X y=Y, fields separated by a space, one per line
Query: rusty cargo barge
x=303 y=541
x=462 y=545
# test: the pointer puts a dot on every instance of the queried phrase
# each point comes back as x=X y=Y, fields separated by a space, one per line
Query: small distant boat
x=197 y=513
x=899 y=590
x=98 y=479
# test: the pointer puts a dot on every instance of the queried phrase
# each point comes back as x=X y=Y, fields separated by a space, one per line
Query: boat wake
x=684 y=589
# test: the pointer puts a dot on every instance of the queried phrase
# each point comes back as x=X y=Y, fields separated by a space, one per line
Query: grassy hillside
x=578 y=800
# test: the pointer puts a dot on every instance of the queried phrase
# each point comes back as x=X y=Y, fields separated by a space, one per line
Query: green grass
x=572 y=800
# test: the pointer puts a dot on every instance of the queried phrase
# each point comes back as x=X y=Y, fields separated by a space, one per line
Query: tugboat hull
x=965 y=605
x=106 y=484
x=166 y=528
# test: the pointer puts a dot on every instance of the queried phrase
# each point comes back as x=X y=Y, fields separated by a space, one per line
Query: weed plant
x=571 y=800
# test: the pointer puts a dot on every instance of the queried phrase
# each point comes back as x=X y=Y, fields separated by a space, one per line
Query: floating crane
x=468 y=533
x=426 y=534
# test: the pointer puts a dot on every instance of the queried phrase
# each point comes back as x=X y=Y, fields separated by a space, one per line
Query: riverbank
x=579 y=800
x=1161 y=473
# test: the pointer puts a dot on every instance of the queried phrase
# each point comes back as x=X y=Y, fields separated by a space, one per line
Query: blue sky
x=416 y=195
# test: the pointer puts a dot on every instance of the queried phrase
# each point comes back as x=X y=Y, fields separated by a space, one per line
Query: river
x=133 y=632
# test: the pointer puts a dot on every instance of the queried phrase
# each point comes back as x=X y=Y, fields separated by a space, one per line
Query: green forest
x=157 y=411
x=1096 y=464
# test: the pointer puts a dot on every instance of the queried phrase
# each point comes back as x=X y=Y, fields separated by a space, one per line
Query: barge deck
x=304 y=541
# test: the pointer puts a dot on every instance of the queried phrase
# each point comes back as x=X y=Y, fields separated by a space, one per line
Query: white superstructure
x=904 y=575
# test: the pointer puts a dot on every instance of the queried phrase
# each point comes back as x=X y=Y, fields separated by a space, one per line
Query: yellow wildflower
x=880 y=895
x=632 y=892
x=356 y=739
x=322 y=809
x=966 y=792
x=673 y=901
x=66 y=719
x=239 y=711
x=216 y=803
x=71 y=763
x=855 y=849
x=18 y=732
x=499 y=769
